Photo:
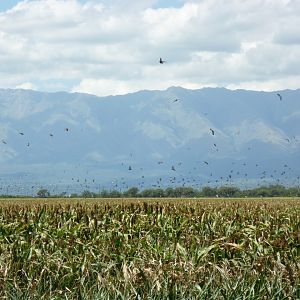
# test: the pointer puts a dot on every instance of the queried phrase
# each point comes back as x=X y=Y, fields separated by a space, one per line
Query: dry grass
x=150 y=249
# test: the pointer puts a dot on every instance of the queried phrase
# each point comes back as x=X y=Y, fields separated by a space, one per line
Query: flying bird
x=161 y=61
x=173 y=168
x=66 y=129
x=175 y=100
x=52 y=134
x=28 y=144
x=129 y=168
x=21 y=133
x=212 y=131
x=4 y=142
x=205 y=162
x=280 y=97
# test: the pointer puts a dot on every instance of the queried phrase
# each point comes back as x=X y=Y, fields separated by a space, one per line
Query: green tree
x=208 y=192
x=87 y=194
x=132 y=192
x=169 y=192
x=147 y=193
x=227 y=191
x=185 y=192
x=157 y=193
x=43 y=193
x=115 y=194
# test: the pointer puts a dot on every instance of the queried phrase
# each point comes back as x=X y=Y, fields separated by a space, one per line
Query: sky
x=113 y=47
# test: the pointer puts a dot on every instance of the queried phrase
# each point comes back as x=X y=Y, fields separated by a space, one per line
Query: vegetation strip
x=186 y=192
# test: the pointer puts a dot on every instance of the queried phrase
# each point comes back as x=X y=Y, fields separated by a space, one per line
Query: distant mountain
x=211 y=136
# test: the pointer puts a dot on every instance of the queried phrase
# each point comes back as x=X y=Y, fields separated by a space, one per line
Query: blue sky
x=7 y=4
x=113 y=46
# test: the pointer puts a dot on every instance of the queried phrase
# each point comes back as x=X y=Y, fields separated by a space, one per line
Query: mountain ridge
x=107 y=135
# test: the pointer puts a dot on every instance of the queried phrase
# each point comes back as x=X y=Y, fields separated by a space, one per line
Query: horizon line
x=150 y=90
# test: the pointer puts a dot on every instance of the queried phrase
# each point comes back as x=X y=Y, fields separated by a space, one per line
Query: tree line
x=178 y=192
x=184 y=192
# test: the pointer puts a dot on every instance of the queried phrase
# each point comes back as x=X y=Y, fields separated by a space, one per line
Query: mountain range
x=176 y=137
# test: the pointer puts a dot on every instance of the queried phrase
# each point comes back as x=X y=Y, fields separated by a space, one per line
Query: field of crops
x=154 y=249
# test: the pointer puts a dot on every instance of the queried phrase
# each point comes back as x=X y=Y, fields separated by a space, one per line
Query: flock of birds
x=178 y=175
x=181 y=175
x=28 y=143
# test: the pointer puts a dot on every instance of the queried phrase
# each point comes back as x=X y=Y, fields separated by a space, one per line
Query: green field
x=150 y=249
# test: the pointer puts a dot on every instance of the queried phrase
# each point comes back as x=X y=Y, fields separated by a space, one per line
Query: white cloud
x=26 y=86
x=102 y=87
x=289 y=82
x=113 y=47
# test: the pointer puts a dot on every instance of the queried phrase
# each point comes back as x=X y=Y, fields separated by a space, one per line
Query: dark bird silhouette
x=205 y=162
x=212 y=131
x=51 y=134
x=161 y=61
x=28 y=144
x=280 y=97
x=21 y=133
x=175 y=100
x=4 y=142
x=129 y=168
x=173 y=168
x=66 y=129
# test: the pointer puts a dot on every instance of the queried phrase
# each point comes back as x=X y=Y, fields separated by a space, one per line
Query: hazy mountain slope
x=256 y=139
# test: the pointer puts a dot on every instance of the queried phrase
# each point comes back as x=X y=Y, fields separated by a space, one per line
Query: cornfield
x=137 y=249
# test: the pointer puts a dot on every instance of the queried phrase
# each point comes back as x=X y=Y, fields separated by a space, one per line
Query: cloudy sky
x=108 y=47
